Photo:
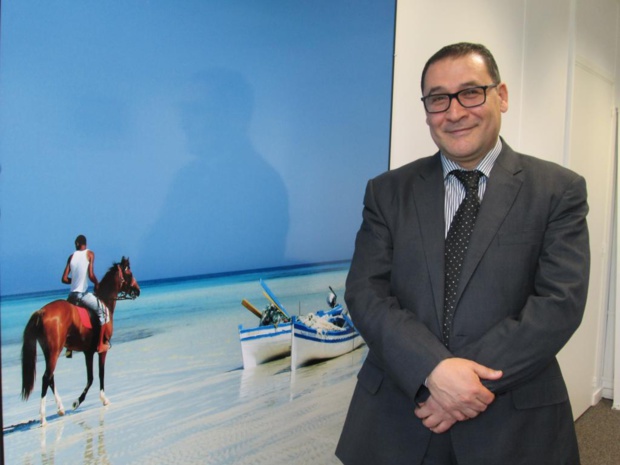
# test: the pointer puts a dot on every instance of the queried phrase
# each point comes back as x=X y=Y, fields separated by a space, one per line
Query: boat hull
x=262 y=344
x=311 y=345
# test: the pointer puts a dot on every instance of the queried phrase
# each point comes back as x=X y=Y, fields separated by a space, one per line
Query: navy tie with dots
x=456 y=244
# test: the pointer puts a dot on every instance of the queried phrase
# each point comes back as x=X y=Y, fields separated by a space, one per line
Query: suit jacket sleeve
x=399 y=339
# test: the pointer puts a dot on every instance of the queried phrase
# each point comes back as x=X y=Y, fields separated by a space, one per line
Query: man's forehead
x=456 y=73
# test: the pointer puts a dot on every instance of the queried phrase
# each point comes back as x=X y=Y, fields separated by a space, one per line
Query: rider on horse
x=80 y=266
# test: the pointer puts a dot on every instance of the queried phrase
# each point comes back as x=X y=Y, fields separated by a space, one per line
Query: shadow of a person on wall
x=227 y=209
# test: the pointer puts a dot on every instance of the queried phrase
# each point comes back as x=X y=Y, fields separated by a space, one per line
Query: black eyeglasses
x=468 y=98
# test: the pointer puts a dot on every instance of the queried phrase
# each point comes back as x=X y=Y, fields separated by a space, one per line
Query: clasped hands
x=457 y=393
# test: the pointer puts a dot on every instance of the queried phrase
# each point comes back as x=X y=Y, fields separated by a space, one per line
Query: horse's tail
x=29 y=355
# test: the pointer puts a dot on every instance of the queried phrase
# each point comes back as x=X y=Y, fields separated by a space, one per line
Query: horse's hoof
x=43 y=423
x=76 y=404
x=104 y=400
x=61 y=412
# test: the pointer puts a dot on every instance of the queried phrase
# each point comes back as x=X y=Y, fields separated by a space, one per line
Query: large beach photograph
x=214 y=155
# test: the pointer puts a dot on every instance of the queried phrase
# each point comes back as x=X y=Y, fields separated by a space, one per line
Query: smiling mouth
x=459 y=131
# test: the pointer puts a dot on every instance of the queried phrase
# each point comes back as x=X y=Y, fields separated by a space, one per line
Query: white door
x=592 y=155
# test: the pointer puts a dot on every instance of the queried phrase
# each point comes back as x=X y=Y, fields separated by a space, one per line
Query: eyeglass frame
x=455 y=95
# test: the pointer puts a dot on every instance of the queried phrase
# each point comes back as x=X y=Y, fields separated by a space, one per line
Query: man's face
x=465 y=135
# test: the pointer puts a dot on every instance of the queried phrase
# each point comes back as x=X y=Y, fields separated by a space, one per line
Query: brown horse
x=58 y=324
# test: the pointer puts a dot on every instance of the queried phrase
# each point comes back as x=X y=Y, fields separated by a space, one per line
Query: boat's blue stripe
x=263 y=336
x=306 y=329
x=327 y=341
x=265 y=328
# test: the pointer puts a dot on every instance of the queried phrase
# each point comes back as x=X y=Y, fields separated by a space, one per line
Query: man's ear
x=502 y=91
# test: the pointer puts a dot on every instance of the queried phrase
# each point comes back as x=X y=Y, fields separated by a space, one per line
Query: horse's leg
x=44 y=385
x=59 y=406
x=88 y=356
x=104 y=399
x=48 y=381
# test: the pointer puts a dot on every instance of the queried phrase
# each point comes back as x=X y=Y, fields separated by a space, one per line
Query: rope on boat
x=318 y=323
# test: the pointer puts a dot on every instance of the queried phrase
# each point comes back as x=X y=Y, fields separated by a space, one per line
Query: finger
x=459 y=415
x=484 y=396
x=434 y=422
x=473 y=409
x=430 y=423
x=469 y=414
x=487 y=373
x=467 y=411
x=442 y=427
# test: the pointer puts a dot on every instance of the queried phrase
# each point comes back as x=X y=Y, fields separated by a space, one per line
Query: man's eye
x=434 y=99
x=471 y=93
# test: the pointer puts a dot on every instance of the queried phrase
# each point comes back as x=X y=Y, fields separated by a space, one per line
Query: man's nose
x=456 y=110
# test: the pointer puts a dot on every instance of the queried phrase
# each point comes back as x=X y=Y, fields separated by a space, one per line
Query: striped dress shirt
x=455 y=191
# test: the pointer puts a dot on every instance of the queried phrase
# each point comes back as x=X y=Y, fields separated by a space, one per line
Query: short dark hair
x=463 y=49
x=80 y=240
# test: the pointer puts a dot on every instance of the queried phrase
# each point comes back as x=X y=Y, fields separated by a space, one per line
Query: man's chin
x=468 y=159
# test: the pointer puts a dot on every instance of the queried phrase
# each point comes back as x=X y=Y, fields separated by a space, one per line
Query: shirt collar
x=485 y=166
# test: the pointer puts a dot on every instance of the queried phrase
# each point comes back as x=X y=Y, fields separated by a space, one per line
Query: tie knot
x=469 y=179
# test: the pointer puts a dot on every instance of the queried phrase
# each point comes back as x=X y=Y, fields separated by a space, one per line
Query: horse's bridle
x=123 y=294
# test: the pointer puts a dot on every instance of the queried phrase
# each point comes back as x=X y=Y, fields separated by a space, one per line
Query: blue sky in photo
x=194 y=136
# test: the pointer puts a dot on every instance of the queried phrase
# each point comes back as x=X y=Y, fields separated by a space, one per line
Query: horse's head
x=129 y=288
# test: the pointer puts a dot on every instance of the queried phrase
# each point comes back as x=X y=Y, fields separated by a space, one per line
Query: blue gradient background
x=195 y=137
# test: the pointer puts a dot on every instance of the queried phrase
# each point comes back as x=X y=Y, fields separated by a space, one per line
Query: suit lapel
x=428 y=194
x=503 y=186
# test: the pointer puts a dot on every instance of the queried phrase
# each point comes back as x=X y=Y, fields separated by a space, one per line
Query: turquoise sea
x=170 y=302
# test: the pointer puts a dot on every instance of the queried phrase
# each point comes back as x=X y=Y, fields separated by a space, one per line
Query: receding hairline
x=460 y=50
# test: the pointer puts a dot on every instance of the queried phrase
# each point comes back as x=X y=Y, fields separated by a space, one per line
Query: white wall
x=550 y=53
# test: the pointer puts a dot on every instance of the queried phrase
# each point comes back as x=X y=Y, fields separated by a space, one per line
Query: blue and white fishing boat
x=323 y=335
x=271 y=339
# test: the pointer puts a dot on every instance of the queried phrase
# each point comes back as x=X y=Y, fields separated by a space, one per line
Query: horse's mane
x=108 y=278
x=112 y=269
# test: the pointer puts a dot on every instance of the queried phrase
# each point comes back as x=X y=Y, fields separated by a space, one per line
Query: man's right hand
x=455 y=385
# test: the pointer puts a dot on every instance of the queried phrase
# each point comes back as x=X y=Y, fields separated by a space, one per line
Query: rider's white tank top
x=79 y=271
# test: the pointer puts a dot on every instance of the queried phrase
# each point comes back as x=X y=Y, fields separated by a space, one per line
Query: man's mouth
x=457 y=132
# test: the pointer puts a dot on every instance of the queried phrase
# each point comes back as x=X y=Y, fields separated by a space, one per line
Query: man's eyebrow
x=442 y=90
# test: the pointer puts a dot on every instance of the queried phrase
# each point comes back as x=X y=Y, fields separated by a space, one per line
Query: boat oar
x=251 y=308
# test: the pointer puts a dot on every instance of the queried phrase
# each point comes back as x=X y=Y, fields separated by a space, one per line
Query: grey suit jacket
x=521 y=296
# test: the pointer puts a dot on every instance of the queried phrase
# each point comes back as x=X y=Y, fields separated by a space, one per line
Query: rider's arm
x=65 y=275
x=91 y=272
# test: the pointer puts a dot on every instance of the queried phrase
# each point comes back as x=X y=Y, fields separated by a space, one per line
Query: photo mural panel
x=216 y=144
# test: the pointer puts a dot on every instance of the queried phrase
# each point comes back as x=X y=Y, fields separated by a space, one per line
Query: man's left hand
x=434 y=417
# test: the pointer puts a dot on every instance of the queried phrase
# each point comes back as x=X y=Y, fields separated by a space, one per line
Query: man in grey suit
x=480 y=385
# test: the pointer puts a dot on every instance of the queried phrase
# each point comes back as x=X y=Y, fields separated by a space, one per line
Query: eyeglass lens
x=472 y=97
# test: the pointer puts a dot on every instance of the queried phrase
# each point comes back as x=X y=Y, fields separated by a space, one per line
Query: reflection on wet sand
x=94 y=447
